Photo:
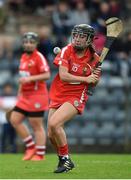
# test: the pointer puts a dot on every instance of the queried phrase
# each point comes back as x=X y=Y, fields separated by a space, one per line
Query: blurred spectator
x=62 y=22
x=120 y=55
x=127 y=43
x=124 y=56
x=15 y=5
x=34 y=5
x=94 y=9
x=45 y=45
x=123 y=65
x=115 y=7
x=104 y=10
x=2 y=13
x=8 y=50
x=31 y=5
x=94 y=4
x=104 y=14
x=80 y=15
x=8 y=136
x=17 y=45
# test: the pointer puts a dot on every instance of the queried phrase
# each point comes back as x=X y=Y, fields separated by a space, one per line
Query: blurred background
x=106 y=123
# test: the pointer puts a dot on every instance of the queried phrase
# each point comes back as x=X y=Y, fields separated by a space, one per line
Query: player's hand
x=97 y=70
x=93 y=78
x=24 y=80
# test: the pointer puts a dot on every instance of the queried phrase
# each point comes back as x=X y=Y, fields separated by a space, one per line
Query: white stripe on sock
x=40 y=152
x=30 y=144
x=40 y=147
x=27 y=138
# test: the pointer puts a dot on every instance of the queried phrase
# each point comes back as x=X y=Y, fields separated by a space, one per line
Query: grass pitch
x=88 y=166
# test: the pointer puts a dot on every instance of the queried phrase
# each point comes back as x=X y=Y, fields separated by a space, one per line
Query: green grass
x=88 y=166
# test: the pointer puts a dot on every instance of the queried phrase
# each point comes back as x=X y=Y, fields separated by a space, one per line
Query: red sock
x=29 y=143
x=40 y=150
x=63 y=150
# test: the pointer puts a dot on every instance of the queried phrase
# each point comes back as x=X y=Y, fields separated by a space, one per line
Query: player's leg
x=40 y=136
x=55 y=128
x=16 y=119
x=50 y=136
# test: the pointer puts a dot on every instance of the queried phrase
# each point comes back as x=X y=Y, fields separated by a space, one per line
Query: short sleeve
x=42 y=63
x=62 y=58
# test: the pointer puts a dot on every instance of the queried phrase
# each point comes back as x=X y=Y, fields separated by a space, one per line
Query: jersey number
x=74 y=68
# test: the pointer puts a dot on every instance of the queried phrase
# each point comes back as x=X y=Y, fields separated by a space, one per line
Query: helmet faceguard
x=31 y=36
x=83 y=30
x=30 y=41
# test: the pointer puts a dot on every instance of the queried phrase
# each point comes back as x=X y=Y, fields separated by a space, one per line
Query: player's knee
x=52 y=127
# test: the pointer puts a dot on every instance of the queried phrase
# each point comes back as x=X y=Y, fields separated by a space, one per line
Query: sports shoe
x=64 y=165
x=28 y=154
x=37 y=157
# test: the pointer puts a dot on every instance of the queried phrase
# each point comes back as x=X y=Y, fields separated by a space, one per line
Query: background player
x=32 y=98
x=68 y=90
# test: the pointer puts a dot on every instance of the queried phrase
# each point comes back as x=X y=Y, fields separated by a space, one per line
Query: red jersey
x=33 y=64
x=78 y=66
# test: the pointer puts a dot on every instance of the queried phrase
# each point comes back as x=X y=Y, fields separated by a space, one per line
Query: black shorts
x=28 y=113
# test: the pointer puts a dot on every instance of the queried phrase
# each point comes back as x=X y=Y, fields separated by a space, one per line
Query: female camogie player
x=32 y=98
x=68 y=89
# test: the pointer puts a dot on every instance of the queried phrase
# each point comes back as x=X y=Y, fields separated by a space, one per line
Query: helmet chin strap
x=88 y=42
x=28 y=52
x=80 y=49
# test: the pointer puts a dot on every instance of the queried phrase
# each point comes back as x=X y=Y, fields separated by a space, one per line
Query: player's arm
x=68 y=77
x=41 y=77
